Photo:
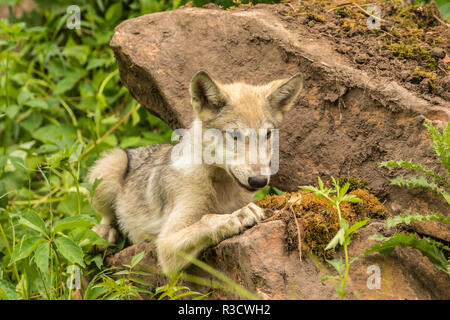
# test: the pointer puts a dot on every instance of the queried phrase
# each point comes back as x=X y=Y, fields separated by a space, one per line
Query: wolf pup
x=187 y=208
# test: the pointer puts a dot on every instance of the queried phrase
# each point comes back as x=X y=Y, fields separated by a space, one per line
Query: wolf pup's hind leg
x=111 y=168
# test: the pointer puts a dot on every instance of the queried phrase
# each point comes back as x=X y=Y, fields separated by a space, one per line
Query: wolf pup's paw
x=107 y=232
x=249 y=215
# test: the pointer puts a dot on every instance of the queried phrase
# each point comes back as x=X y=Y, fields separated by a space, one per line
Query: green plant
x=61 y=105
x=127 y=284
x=172 y=291
x=435 y=251
x=336 y=196
x=261 y=193
x=428 y=178
x=119 y=285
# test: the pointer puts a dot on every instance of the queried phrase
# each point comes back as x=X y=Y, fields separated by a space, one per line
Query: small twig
x=370 y=15
x=299 y=236
x=442 y=70
x=292 y=7
x=441 y=21
x=277 y=214
x=340 y=5
x=46 y=293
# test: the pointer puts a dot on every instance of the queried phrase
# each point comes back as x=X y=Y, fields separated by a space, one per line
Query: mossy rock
x=316 y=220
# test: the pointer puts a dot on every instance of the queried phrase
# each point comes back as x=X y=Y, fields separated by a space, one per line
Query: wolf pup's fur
x=188 y=208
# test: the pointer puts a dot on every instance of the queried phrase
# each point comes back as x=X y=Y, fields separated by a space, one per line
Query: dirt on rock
x=411 y=44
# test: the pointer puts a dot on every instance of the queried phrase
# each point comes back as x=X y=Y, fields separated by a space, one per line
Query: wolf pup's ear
x=280 y=100
x=206 y=97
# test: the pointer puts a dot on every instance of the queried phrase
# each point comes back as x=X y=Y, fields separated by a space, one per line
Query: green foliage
x=428 y=247
x=429 y=179
x=432 y=249
x=128 y=284
x=411 y=217
x=267 y=190
x=61 y=105
x=337 y=195
x=172 y=291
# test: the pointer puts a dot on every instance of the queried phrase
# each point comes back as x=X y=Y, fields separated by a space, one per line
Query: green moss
x=414 y=52
x=417 y=16
x=315 y=17
x=318 y=221
x=419 y=74
x=355 y=183
x=348 y=24
x=343 y=12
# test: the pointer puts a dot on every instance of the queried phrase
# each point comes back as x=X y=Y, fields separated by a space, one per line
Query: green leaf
x=411 y=217
x=23 y=97
x=137 y=258
x=357 y=226
x=85 y=237
x=338 y=238
x=309 y=188
x=420 y=182
x=37 y=103
x=7 y=291
x=33 y=221
x=338 y=264
x=64 y=85
x=320 y=183
x=24 y=249
x=446 y=197
x=113 y=13
x=441 y=143
x=69 y=250
x=351 y=198
x=426 y=247
x=444 y=7
x=80 y=221
x=42 y=256
x=326 y=278
x=79 y=52
x=378 y=237
x=412 y=166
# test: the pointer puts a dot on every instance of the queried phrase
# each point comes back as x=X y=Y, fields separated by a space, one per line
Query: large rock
x=259 y=262
x=344 y=122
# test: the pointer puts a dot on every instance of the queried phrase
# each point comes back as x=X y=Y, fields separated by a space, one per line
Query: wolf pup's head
x=238 y=122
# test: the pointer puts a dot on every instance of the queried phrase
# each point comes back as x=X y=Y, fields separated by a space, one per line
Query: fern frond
x=415 y=167
x=425 y=246
x=441 y=143
x=420 y=181
x=411 y=217
x=437 y=244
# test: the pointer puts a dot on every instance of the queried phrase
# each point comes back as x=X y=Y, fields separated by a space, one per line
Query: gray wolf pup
x=187 y=208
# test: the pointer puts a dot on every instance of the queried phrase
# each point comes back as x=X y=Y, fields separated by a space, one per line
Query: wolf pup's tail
x=111 y=168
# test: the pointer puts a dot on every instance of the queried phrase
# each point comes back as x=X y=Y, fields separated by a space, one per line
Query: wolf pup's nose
x=257 y=181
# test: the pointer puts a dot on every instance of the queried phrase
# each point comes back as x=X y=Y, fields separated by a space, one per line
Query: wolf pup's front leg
x=174 y=244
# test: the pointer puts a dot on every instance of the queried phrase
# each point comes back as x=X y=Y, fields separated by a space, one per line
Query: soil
x=412 y=45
